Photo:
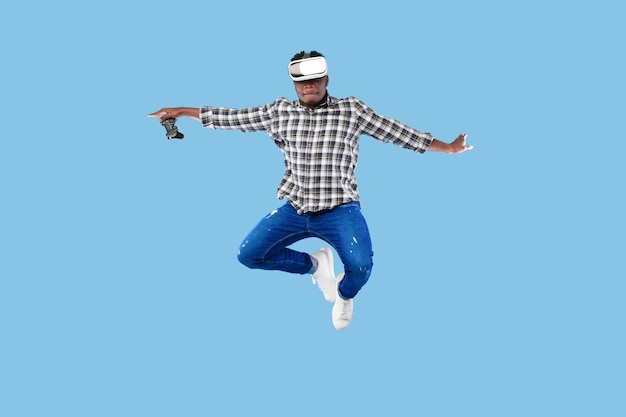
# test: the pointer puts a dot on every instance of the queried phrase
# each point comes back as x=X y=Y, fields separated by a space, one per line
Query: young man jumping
x=319 y=137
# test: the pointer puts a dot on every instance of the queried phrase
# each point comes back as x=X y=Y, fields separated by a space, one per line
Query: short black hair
x=303 y=55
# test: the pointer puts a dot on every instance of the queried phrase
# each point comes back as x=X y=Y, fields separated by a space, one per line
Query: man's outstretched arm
x=456 y=146
x=176 y=113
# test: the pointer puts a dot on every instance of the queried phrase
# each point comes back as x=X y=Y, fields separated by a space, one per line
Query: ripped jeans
x=343 y=227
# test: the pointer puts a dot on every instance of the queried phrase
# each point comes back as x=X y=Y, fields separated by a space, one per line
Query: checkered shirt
x=320 y=146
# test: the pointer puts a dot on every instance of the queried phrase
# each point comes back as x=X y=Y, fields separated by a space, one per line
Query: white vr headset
x=308 y=68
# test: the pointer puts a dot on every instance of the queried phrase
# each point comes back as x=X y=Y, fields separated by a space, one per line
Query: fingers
x=161 y=112
x=466 y=147
x=164 y=114
x=459 y=145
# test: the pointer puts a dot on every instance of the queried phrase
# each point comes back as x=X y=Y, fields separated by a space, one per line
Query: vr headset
x=308 y=68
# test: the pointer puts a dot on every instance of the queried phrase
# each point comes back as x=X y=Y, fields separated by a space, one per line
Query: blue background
x=498 y=286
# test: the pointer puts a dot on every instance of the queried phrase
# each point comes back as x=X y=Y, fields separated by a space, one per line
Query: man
x=319 y=138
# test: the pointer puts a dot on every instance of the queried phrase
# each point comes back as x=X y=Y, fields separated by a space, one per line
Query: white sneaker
x=325 y=274
x=342 y=310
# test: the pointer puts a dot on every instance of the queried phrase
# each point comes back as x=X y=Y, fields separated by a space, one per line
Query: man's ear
x=327 y=80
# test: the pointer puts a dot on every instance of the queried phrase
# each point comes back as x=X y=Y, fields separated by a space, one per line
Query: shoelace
x=344 y=313
x=321 y=284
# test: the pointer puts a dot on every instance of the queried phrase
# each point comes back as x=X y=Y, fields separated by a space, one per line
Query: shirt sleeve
x=387 y=129
x=252 y=119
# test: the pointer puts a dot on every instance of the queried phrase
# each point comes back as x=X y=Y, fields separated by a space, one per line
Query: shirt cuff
x=425 y=140
x=206 y=116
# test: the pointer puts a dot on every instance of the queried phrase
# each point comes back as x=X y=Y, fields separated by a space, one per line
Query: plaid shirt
x=320 y=146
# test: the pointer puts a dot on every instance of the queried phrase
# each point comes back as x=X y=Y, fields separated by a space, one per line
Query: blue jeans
x=343 y=227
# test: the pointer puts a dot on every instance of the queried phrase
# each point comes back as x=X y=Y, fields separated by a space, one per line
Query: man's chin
x=310 y=100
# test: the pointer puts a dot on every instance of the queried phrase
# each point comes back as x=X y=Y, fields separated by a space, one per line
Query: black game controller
x=171 y=131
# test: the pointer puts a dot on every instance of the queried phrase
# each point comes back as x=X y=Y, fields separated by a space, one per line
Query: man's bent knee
x=248 y=257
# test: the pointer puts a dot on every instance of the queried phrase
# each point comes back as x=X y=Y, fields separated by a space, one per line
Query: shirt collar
x=330 y=101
